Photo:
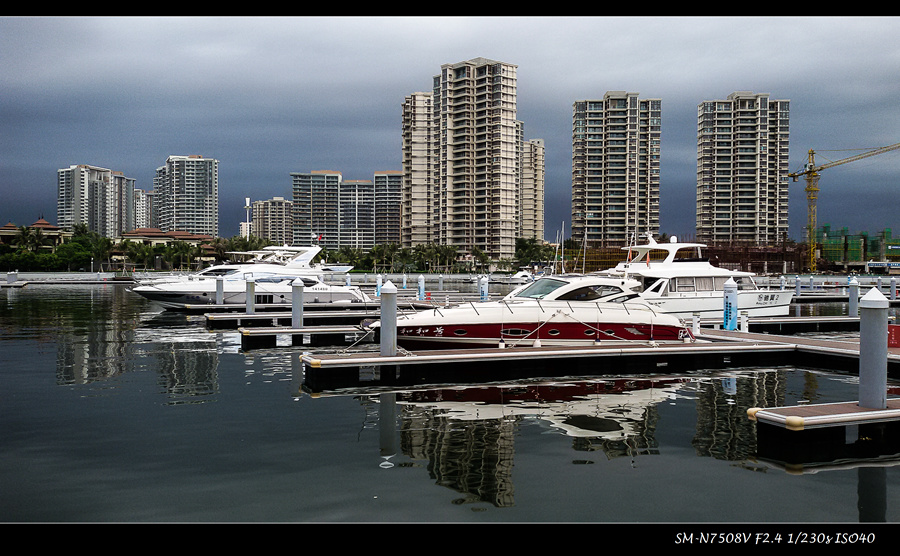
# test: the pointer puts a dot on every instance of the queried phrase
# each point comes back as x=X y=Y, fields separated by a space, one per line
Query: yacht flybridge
x=675 y=278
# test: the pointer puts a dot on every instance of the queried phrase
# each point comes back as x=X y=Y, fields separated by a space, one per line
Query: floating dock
x=803 y=417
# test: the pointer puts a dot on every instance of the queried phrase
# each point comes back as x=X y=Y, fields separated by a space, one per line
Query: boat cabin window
x=704 y=283
x=745 y=283
x=590 y=293
x=683 y=284
x=653 y=285
x=541 y=288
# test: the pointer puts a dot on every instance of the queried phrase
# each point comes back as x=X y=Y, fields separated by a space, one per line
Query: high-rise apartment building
x=531 y=192
x=187 y=190
x=317 y=208
x=273 y=220
x=100 y=198
x=388 y=185
x=143 y=208
x=477 y=156
x=615 y=169
x=742 y=169
x=332 y=212
x=417 y=213
x=357 y=213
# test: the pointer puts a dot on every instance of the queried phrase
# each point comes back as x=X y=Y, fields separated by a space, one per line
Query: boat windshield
x=220 y=271
x=591 y=293
x=541 y=288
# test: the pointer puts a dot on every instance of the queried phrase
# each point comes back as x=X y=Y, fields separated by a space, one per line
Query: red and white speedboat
x=555 y=310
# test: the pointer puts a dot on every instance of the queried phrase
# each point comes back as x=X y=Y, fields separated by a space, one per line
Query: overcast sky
x=271 y=96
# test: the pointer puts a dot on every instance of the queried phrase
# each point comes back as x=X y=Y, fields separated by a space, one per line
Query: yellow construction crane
x=811 y=174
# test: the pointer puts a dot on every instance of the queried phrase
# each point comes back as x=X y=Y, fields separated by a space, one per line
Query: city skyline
x=264 y=97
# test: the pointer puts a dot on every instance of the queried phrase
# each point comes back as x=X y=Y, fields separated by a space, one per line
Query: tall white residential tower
x=187 y=195
x=615 y=169
x=742 y=169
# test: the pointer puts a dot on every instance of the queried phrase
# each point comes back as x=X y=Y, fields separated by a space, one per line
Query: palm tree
x=449 y=254
x=23 y=238
x=377 y=254
x=37 y=239
x=101 y=248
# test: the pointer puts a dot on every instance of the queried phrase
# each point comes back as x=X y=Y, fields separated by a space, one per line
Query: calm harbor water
x=117 y=411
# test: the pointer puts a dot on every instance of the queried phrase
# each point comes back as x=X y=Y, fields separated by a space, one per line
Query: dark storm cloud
x=270 y=96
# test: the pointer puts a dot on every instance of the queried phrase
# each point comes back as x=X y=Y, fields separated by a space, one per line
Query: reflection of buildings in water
x=96 y=332
x=723 y=429
x=467 y=434
x=106 y=336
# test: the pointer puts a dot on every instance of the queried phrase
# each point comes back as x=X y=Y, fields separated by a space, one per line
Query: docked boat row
x=646 y=298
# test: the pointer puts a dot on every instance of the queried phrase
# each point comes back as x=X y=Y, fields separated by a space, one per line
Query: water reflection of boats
x=683 y=282
x=555 y=310
x=609 y=409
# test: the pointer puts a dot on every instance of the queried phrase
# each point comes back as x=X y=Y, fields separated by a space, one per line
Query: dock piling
x=388 y=320
x=854 y=298
x=873 y=351
x=731 y=304
x=220 y=290
x=297 y=304
x=251 y=296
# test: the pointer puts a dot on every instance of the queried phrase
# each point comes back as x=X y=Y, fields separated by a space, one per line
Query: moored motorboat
x=268 y=289
x=676 y=279
x=562 y=310
x=272 y=260
x=520 y=277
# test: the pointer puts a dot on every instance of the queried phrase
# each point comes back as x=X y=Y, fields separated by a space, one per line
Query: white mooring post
x=421 y=287
x=378 y=285
x=893 y=288
x=695 y=324
x=873 y=335
x=854 y=298
x=297 y=303
x=731 y=305
x=484 y=288
x=389 y=319
x=220 y=290
x=251 y=296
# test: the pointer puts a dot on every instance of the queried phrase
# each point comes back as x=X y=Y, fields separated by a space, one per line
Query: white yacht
x=562 y=310
x=268 y=289
x=272 y=260
x=676 y=279
x=272 y=270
